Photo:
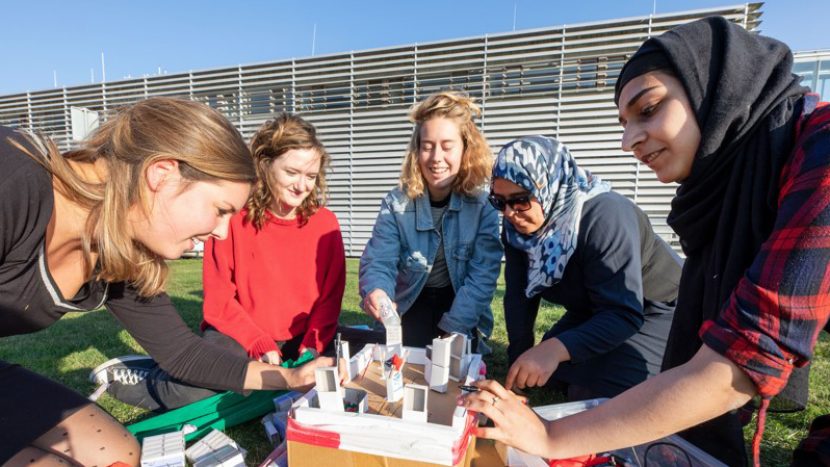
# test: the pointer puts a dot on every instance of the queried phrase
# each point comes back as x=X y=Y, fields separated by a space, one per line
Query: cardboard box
x=381 y=437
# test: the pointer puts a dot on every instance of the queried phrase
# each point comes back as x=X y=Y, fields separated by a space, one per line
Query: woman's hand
x=537 y=364
x=515 y=423
x=302 y=377
x=272 y=357
x=372 y=302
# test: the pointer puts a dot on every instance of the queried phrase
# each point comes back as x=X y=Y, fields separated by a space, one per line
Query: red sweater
x=281 y=282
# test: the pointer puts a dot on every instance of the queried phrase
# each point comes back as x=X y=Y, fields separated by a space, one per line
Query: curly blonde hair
x=477 y=159
x=273 y=139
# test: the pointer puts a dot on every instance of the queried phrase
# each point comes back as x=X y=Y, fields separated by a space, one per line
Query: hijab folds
x=547 y=170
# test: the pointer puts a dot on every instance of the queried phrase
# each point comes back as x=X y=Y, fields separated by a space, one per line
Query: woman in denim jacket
x=435 y=250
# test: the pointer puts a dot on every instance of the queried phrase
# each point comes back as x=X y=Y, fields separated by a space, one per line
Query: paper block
x=459 y=344
x=441 y=351
x=356 y=400
x=438 y=378
x=163 y=450
x=283 y=402
x=459 y=418
x=394 y=335
x=345 y=358
x=394 y=386
x=359 y=362
x=203 y=452
x=226 y=456
x=329 y=392
x=415 y=403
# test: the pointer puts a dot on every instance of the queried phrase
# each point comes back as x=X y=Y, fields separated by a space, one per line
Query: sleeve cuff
x=262 y=346
x=768 y=372
x=312 y=341
x=448 y=324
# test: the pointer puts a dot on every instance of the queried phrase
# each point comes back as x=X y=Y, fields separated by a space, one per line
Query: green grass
x=69 y=349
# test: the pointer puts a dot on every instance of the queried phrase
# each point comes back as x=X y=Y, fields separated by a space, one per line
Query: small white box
x=356 y=398
x=438 y=378
x=394 y=335
x=329 y=392
x=394 y=385
x=441 y=351
x=415 y=403
x=163 y=450
x=204 y=452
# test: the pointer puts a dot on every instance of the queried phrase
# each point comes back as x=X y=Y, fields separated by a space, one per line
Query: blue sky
x=41 y=38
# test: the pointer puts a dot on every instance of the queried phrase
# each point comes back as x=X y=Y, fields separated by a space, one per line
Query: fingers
x=512 y=373
x=494 y=387
x=323 y=361
x=371 y=306
x=493 y=433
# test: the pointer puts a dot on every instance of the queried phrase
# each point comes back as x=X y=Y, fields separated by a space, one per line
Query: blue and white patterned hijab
x=544 y=167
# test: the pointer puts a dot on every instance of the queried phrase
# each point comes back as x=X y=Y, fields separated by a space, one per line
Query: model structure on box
x=420 y=421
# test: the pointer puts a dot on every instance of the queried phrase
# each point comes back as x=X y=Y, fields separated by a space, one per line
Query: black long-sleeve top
x=618 y=265
x=30 y=300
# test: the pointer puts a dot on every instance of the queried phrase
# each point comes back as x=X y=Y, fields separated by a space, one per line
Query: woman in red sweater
x=276 y=285
x=273 y=288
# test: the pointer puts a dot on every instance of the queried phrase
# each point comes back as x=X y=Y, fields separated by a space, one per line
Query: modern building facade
x=555 y=81
x=814 y=69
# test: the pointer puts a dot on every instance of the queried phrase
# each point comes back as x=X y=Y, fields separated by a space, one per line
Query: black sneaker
x=127 y=370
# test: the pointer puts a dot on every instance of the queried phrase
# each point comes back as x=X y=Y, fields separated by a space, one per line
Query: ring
x=495 y=399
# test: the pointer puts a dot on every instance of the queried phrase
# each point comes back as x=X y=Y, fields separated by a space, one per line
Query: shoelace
x=129 y=375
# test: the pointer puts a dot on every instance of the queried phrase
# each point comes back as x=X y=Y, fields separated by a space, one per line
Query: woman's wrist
x=265 y=376
x=557 y=349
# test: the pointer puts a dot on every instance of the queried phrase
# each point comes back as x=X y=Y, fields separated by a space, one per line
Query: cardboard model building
x=424 y=427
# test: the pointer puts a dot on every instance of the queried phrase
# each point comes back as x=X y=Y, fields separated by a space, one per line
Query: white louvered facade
x=554 y=81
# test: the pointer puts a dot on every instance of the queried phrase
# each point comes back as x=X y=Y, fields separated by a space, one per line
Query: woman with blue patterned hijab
x=545 y=168
x=571 y=240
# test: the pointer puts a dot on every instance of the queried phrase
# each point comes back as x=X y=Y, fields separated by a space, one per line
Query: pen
x=467 y=388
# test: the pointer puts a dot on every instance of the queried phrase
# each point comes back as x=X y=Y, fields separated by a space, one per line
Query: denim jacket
x=401 y=253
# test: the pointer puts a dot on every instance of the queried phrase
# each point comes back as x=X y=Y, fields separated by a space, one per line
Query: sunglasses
x=518 y=203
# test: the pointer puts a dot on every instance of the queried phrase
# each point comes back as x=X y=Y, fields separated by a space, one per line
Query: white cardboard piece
x=438 y=378
x=163 y=450
x=216 y=449
x=329 y=391
x=415 y=403
x=359 y=362
x=358 y=398
x=394 y=385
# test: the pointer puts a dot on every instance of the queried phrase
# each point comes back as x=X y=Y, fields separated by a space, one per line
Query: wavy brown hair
x=206 y=146
x=477 y=159
x=273 y=139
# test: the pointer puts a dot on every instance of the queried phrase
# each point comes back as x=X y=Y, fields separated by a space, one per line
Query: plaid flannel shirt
x=772 y=320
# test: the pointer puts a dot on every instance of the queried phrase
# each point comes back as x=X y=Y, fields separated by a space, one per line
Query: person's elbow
x=731 y=386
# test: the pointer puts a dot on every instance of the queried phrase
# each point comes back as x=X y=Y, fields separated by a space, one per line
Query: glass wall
x=814 y=68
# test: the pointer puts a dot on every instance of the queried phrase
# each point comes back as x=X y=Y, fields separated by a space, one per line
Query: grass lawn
x=68 y=350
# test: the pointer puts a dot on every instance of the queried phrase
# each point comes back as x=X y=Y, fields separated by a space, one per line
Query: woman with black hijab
x=718 y=110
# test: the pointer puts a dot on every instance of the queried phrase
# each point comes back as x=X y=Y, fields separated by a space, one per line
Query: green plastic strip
x=220 y=411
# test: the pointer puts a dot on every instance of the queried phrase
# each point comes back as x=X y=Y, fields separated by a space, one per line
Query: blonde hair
x=272 y=140
x=477 y=159
x=206 y=146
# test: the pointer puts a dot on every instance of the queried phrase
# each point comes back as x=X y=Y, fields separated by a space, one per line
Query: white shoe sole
x=113 y=361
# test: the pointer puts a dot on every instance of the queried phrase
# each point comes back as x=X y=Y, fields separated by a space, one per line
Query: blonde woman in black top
x=93 y=227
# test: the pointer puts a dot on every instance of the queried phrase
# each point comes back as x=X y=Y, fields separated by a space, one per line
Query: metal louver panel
x=555 y=81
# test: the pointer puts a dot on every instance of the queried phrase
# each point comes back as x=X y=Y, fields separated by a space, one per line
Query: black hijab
x=747 y=103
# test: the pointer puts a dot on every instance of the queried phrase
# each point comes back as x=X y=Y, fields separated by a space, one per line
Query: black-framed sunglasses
x=518 y=203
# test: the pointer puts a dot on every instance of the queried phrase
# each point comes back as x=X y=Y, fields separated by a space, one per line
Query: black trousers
x=161 y=392
x=31 y=405
x=420 y=322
